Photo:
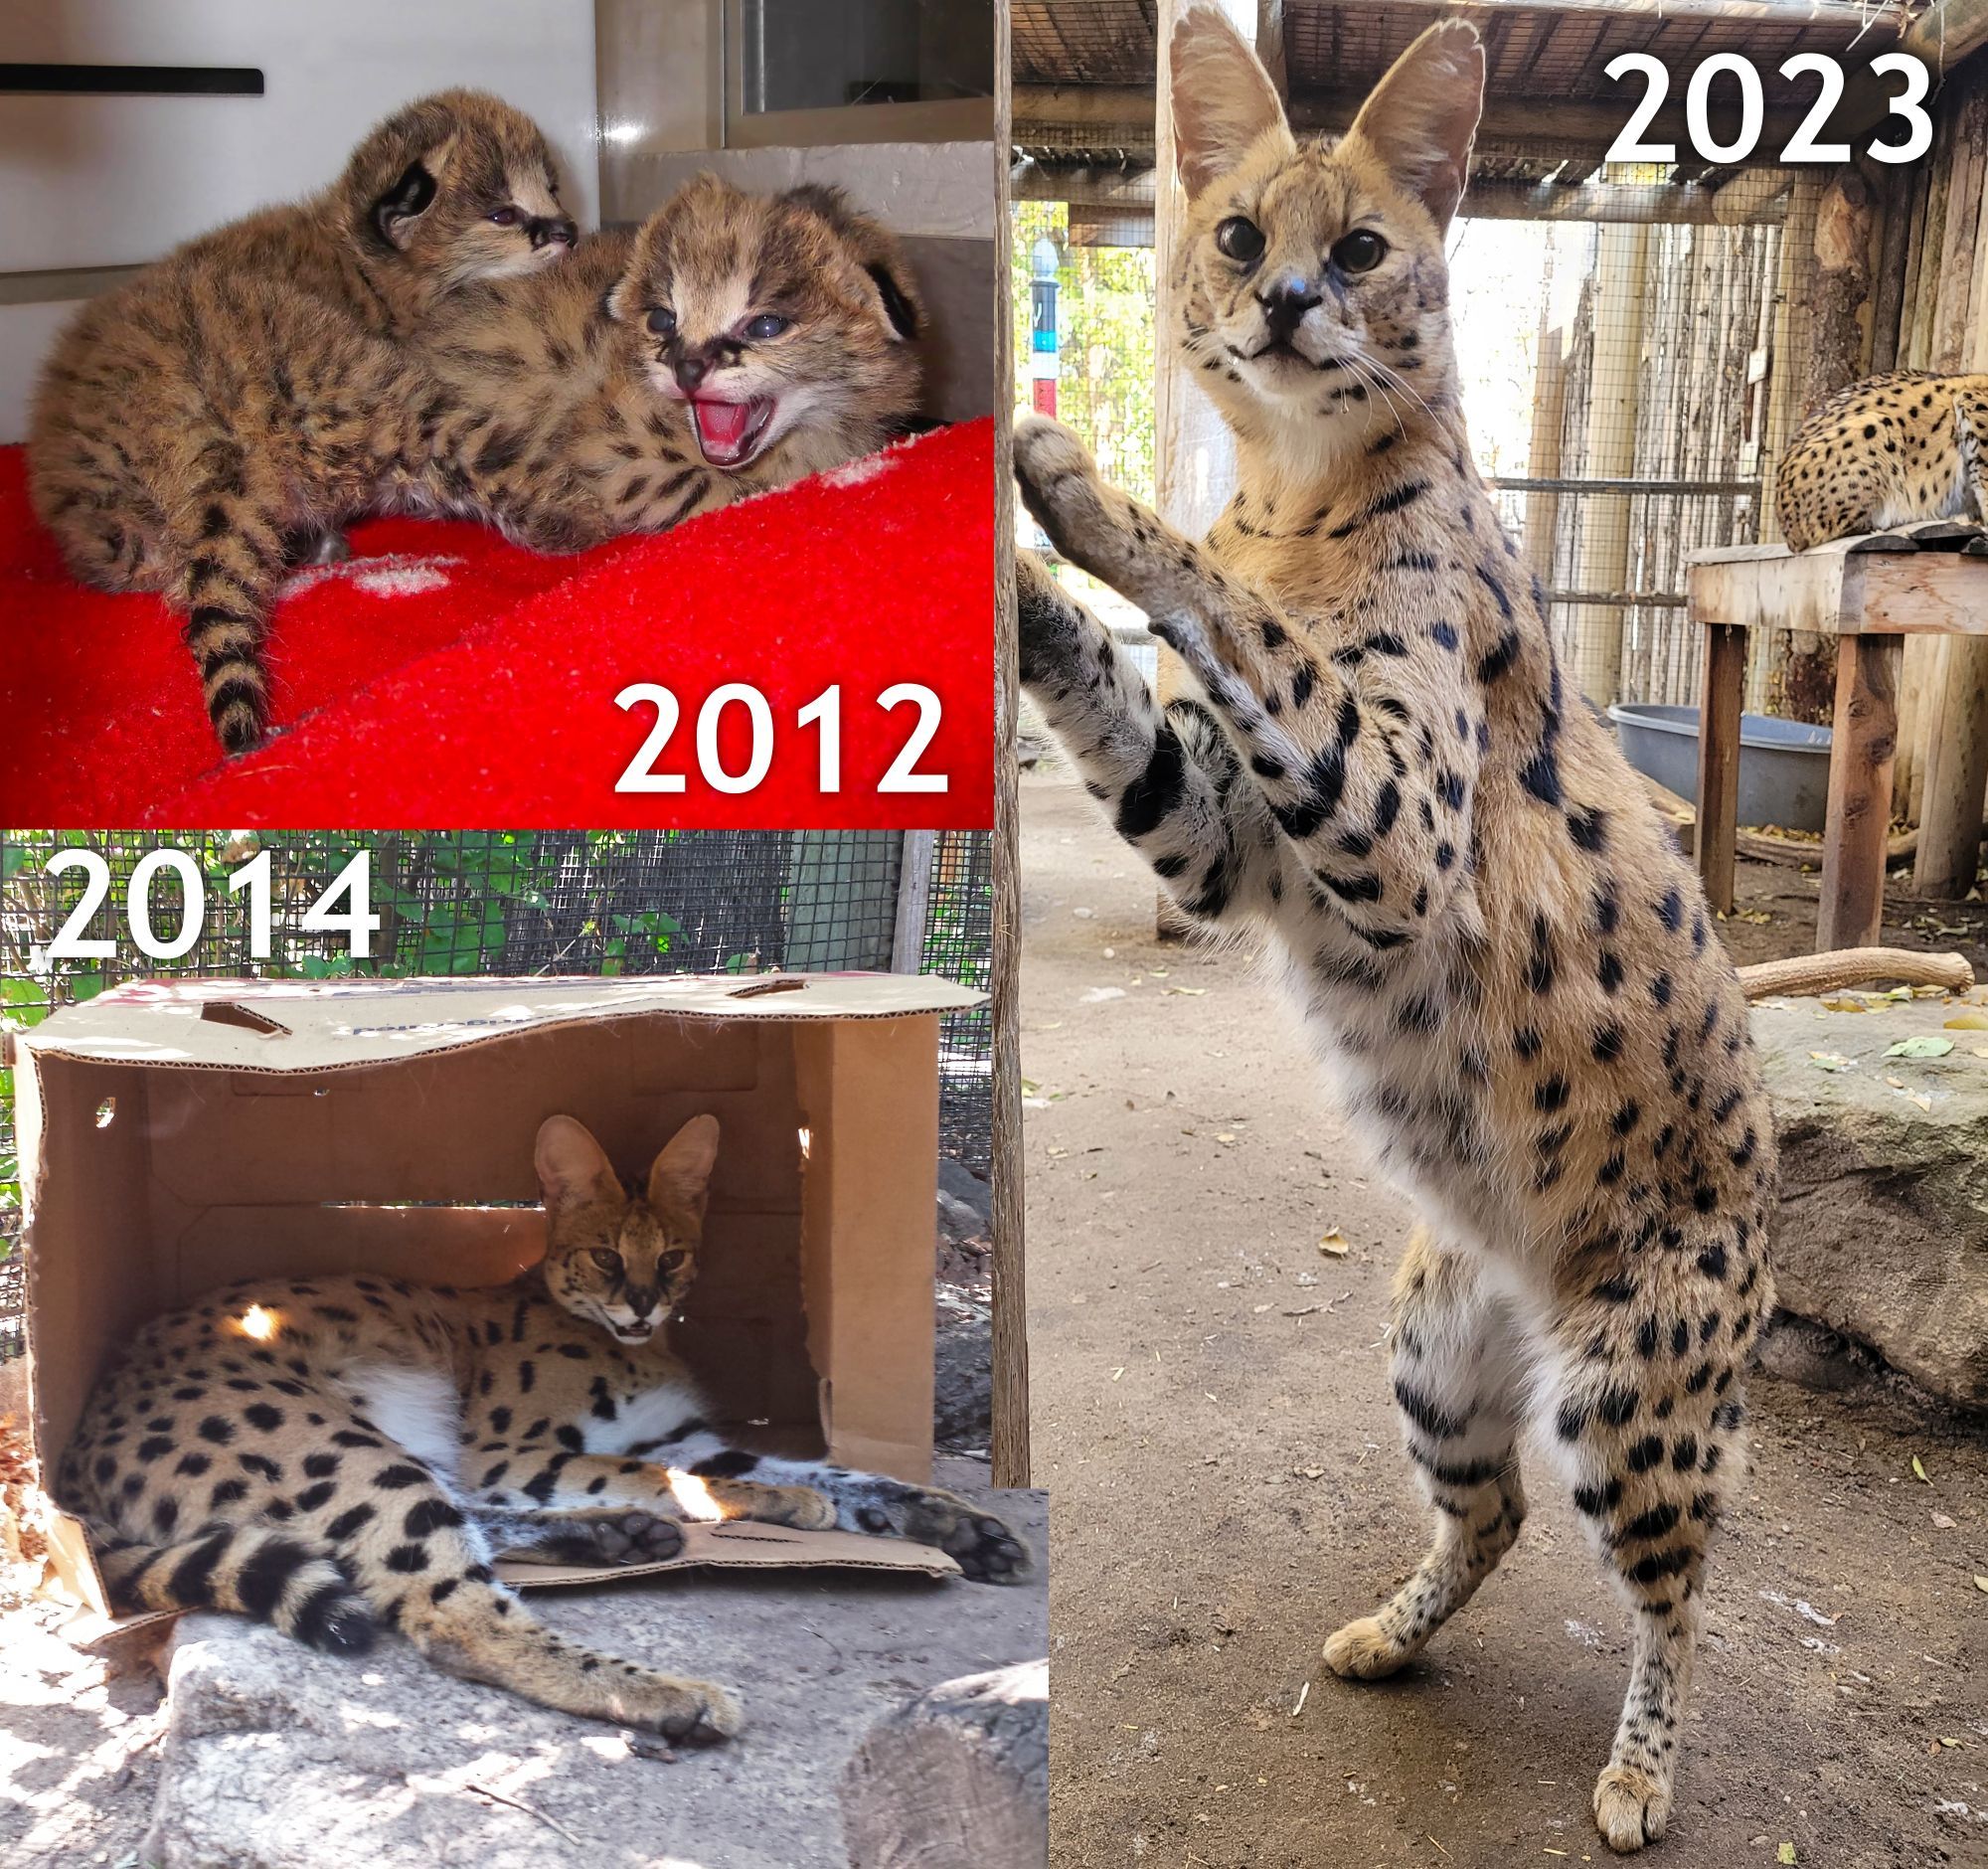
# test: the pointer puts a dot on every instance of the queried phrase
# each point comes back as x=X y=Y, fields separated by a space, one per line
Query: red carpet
x=445 y=677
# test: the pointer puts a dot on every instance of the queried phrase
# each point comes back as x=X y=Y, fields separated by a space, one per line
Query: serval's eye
x=1359 y=252
x=507 y=217
x=606 y=1257
x=671 y=1261
x=662 y=321
x=1240 y=238
x=766 y=325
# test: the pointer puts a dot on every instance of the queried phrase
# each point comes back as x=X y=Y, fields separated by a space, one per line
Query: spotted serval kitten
x=328 y=1454
x=1885 y=452
x=736 y=342
x=204 y=427
x=1503 y=963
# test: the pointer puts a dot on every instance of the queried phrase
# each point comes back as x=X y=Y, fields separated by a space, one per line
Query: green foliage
x=1105 y=314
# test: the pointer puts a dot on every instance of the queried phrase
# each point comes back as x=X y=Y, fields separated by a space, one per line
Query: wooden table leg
x=1718 y=760
x=1864 y=745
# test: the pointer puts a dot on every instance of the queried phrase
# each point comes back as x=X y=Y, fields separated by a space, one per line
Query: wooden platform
x=1869 y=591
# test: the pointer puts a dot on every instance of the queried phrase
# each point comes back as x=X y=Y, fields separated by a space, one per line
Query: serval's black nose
x=547 y=228
x=1284 y=307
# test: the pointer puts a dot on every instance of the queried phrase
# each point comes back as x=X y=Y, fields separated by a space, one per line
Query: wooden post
x=1543 y=456
x=1865 y=741
x=1952 y=713
x=1622 y=278
x=1010 y=1340
x=1719 y=761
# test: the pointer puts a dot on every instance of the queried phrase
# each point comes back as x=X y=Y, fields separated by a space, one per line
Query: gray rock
x=1883 y=1228
x=964 y=1368
x=276 y=1758
x=958 y=1775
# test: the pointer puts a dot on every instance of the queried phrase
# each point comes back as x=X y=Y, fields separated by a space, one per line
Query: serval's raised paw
x=1363 y=1652
x=1631 y=1809
x=1061 y=486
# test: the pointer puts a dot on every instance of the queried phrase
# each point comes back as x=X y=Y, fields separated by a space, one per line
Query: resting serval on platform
x=328 y=1454
x=1499 y=956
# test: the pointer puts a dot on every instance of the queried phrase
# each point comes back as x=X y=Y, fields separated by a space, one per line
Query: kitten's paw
x=980 y=1544
x=694 y=1713
x=1060 y=486
x=1631 y=1809
x=1363 y=1652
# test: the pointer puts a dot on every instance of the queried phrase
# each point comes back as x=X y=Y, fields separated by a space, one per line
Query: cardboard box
x=175 y=1137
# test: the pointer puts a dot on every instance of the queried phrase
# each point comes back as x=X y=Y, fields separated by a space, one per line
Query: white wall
x=115 y=181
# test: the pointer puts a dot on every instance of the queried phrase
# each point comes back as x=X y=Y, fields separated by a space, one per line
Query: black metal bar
x=132 y=81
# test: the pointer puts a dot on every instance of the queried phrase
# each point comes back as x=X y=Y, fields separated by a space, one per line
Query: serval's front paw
x=1363 y=1652
x=1632 y=1808
x=1061 y=487
x=979 y=1543
x=1054 y=634
x=613 y=1535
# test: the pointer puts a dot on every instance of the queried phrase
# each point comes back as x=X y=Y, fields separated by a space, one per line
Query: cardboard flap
x=331 y=1025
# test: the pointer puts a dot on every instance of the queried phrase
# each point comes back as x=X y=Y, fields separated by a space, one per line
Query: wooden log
x=1802 y=974
x=959 y=1775
x=1009 y=1349
x=1719 y=761
x=1864 y=743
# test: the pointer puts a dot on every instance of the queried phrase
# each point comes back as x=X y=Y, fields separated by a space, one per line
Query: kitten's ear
x=680 y=1178
x=1420 y=117
x=571 y=1166
x=396 y=212
x=1223 y=98
x=901 y=310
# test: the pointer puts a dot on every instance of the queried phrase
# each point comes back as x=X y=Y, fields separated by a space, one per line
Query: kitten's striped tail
x=291 y=1582
x=226 y=586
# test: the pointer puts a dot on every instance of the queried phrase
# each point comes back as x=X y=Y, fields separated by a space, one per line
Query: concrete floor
x=1213 y=1420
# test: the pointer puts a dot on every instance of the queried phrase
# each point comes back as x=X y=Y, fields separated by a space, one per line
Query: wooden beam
x=1487 y=199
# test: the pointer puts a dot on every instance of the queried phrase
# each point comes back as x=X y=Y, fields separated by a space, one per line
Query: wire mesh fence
x=503 y=903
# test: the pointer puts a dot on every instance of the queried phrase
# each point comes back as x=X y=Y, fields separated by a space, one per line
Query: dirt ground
x=1213 y=1420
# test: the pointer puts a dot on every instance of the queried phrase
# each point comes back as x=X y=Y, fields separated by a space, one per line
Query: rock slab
x=1881 y=1231
x=277 y=1758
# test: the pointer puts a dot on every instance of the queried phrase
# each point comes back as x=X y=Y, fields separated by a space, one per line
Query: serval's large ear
x=1223 y=99
x=571 y=1166
x=1420 y=118
x=680 y=1178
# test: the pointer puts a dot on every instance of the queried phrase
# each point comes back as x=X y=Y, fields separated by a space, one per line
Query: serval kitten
x=734 y=343
x=330 y=1454
x=204 y=427
x=1885 y=452
x=1503 y=963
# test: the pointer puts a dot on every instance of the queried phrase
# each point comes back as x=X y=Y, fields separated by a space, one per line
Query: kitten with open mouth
x=734 y=343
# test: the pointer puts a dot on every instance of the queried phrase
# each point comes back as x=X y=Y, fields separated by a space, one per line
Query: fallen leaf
x=1786 y=1853
x=1918 y=1469
x=1829 y=1060
x=1225 y=1136
x=1191 y=993
x=1309 y=1472
x=1335 y=1244
x=1845 y=1005
x=1920 y=1045
x=1972 y=1020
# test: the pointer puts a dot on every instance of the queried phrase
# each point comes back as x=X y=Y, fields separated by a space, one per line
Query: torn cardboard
x=175 y=1136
